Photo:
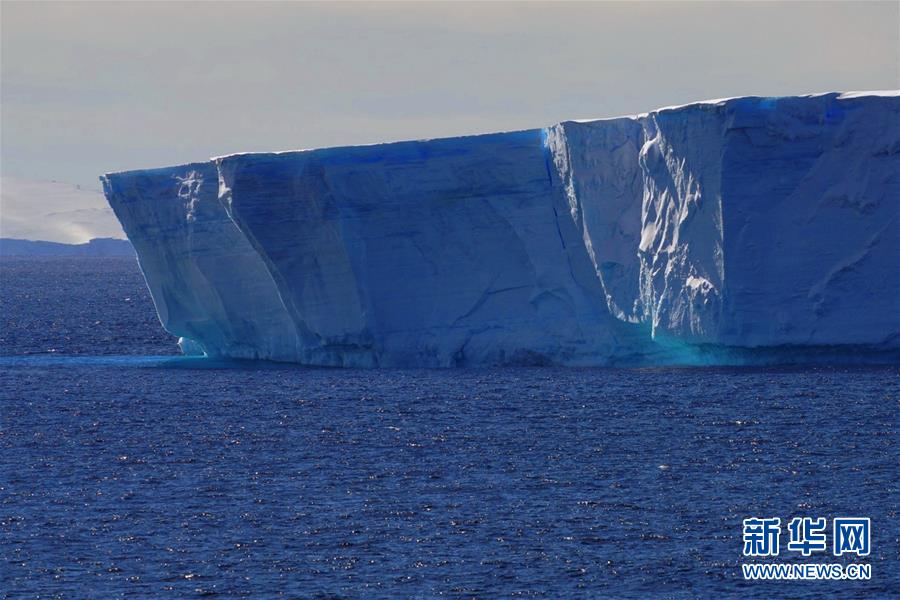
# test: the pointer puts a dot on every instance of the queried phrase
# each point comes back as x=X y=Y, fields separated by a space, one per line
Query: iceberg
x=722 y=231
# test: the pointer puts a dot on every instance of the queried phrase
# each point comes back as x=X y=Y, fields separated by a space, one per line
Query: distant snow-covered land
x=95 y=247
x=54 y=211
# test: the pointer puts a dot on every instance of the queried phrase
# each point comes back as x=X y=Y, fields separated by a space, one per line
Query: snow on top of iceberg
x=372 y=144
x=721 y=101
x=888 y=93
x=155 y=170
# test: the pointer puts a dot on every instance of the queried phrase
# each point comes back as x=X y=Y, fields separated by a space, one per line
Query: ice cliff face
x=747 y=222
x=208 y=283
x=739 y=224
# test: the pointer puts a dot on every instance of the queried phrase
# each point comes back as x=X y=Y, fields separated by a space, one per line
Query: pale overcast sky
x=94 y=87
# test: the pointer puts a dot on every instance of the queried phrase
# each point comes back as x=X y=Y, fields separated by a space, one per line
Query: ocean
x=129 y=470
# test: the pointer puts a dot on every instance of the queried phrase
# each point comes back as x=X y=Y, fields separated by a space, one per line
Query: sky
x=87 y=88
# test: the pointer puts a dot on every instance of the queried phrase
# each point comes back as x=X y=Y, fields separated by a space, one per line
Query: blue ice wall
x=724 y=231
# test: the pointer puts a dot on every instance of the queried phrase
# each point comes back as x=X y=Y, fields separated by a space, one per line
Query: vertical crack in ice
x=189 y=191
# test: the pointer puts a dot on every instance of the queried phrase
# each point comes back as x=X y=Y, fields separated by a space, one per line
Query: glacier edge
x=740 y=230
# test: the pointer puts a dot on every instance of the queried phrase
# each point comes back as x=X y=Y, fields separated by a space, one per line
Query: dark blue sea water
x=127 y=472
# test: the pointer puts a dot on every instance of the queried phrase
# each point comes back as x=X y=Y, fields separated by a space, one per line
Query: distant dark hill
x=95 y=247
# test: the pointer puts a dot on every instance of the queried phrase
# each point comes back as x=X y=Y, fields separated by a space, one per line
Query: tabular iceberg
x=712 y=232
